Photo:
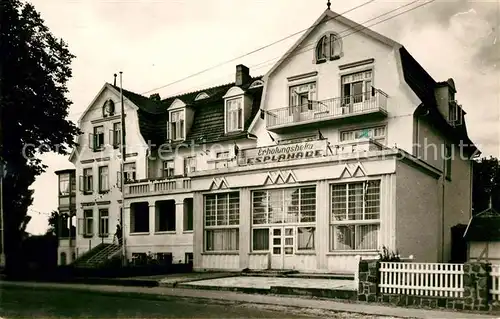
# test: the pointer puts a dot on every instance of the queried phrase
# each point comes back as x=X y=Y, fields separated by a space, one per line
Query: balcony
x=157 y=187
x=67 y=202
x=352 y=108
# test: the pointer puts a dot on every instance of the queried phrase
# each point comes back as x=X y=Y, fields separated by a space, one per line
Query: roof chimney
x=114 y=81
x=242 y=75
x=155 y=97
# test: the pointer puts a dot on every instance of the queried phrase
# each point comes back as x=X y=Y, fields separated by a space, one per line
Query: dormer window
x=108 y=109
x=201 y=96
x=234 y=114
x=329 y=47
x=176 y=130
x=256 y=84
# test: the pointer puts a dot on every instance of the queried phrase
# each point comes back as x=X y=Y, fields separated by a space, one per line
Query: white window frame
x=325 y=51
x=88 y=180
x=177 y=125
x=189 y=165
x=230 y=223
x=347 y=136
x=297 y=91
x=103 y=221
x=88 y=224
x=98 y=131
x=352 y=78
x=103 y=178
x=284 y=202
x=169 y=168
x=64 y=182
x=117 y=134
x=356 y=223
x=128 y=173
x=234 y=115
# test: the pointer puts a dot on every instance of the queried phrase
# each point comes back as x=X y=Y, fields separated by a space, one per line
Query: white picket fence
x=495 y=282
x=422 y=279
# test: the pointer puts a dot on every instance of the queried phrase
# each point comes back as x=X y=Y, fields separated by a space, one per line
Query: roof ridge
x=254 y=78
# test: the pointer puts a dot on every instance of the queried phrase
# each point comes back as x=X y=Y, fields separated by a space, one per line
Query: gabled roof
x=484 y=227
x=330 y=15
x=152 y=116
x=208 y=122
x=424 y=86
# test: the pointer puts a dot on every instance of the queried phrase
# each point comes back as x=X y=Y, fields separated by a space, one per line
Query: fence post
x=356 y=273
x=368 y=277
x=476 y=285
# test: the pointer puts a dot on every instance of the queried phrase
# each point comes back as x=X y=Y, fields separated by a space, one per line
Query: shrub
x=386 y=255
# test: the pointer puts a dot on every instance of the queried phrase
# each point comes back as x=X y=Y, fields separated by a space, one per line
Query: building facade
x=345 y=146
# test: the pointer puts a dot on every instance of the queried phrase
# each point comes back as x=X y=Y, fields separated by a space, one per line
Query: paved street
x=25 y=302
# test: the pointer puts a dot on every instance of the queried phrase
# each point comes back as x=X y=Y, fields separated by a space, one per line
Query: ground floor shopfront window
x=222 y=219
x=284 y=222
x=355 y=216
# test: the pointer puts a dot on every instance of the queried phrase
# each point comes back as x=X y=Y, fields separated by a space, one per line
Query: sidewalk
x=159 y=292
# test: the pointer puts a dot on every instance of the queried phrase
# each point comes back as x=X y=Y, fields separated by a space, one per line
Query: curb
x=282 y=290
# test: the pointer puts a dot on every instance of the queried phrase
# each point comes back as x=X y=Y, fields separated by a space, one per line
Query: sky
x=156 y=43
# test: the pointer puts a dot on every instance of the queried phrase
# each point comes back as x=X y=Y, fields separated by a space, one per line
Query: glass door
x=283 y=247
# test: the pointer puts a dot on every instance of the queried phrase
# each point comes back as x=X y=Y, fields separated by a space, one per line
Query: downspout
x=442 y=219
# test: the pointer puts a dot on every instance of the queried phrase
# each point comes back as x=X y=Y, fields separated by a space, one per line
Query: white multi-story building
x=337 y=151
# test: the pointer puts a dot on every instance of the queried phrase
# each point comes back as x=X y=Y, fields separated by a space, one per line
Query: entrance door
x=283 y=247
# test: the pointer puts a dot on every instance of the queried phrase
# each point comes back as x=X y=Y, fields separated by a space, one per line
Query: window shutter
x=107 y=180
x=181 y=128
x=111 y=140
x=119 y=179
x=240 y=118
x=81 y=184
x=91 y=140
x=81 y=226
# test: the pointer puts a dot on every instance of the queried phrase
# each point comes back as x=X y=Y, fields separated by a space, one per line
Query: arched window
x=108 y=108
x=256 y=84
x=63 y=259
x=201 y=96
x=329 y=47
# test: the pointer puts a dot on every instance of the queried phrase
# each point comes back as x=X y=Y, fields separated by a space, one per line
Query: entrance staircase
x=97 y=256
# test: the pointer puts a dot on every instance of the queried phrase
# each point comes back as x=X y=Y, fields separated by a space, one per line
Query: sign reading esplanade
x=285 y=152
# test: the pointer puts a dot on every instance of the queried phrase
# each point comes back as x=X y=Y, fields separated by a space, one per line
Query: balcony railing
x=155 y=187
x=331 y=109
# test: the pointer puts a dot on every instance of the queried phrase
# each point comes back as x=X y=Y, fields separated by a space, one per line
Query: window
x=177 y=125
x=305 y=238
x=62 y=258
x=355 y=214
x=108 y=109
x=168 y=169
x=103 y=179
x=98 y=138
x=188 y=214
x=376 y=133
x=64 y=184
x=88 y=226
x=234 y=114
x=357 y=88
x=165 y=215
x=448 y=161
x=201 y=96
x=329 y=47
x=86 y=181
x=189 y=165
x=129 y=172
x=222 y=222
x=103 y=222
x=116 y=135
x=302 y=97
x=139 y=217
x=285 y=205
x=260 y=239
